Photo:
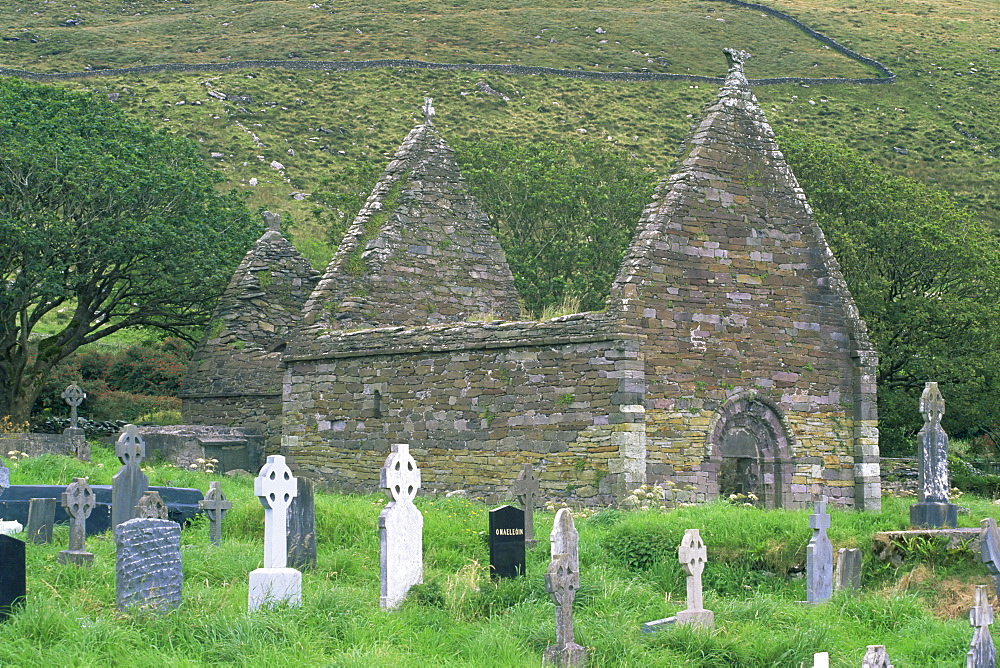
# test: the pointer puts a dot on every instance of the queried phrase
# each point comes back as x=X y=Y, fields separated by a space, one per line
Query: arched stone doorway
x=748 y=447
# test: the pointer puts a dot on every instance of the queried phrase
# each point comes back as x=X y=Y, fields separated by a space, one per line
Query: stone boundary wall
x=33 y=444
x=886 y=75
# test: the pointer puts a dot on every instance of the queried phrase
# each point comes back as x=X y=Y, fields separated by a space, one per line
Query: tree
x=106 y=224
x=926 y=277
x=564 y=213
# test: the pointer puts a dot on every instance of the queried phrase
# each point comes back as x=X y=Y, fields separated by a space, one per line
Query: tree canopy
x=926 y=277
x=106 y=224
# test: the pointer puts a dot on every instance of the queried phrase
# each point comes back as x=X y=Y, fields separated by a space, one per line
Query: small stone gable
x=235 y=374
x=419 y=252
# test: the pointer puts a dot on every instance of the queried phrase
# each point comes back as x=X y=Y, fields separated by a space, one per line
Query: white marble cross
x=692 y=555
x=982 y=653
x=275 y=486
x=401 y=528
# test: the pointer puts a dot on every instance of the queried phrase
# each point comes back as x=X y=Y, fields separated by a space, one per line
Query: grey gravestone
x=216 y=505
x=990 y=550
x=4 y=477
x=401 y=528
x=128 y=485
x=819 y=557
x=561 y=581
x=41 y=517
x=74 y=396
x=876 y=657
x=78 y=500
x=301 y=534
x=525 y=488
x=981 y=653
x=506 y=541
x=13 y=587
x=933 y=508
x=151 y=506
x=275 y=583
x=847 y=574
x=692 y=555
x=148 y=568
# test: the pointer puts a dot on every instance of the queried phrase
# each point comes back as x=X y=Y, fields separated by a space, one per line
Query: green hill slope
x=934 y=124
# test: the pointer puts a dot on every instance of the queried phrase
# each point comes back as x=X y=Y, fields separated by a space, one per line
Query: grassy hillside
x=934 y=124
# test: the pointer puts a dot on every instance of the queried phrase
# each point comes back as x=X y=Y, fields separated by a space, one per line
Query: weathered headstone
x=4 y=477
x=275 y=583
x=74 y=396
x=692 y=555
x=78 y=500
x=13 y=586
x=506 y=541
x=302 y=527
x=819 y=557
x=847 y=574
x=990 y=550
x=148 y=567
x=876 y=657
x=561 y=581
x=525 y=488
x=41 y=517
x=151 y=506
x=216 y=505
x=401 y=528
x=933 y=508
x=981 y=653
x=128 y=485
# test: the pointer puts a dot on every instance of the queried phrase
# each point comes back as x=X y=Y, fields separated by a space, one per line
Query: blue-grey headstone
x=148 y=569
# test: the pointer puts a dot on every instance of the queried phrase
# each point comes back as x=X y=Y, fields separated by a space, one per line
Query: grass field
x=629 y=575
x=934 y=124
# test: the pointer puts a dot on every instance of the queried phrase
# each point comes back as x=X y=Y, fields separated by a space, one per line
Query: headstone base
x=569 y=654
x=275 y=586
x=658 y=625
x=8 y=528
x=703 y=618
x=77 y=557
x=933 y=515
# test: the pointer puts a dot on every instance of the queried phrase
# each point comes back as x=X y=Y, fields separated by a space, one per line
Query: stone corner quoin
x=731 y=358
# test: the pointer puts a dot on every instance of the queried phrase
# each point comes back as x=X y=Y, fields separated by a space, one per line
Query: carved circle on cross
x=79 y=499
x=692 y=553
x=130 y=447
x=402 y=477
x=74 y=395
x=276 y=486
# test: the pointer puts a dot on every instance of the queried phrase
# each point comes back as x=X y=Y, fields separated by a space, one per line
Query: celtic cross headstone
x=876 y=657
x=561 y=582
x=216 y=505
x=74 y=396
x=151 y=506
x=401 y=528
x=982 y=653
x=525 y=488
x=819 y=556
x=78 y=500
x=275 y=583
x=692 y=555
x=933 y=508
x=129 y=484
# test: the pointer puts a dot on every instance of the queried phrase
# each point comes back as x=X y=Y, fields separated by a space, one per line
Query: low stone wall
x=899 y=475
x=182 y=445
x=40 y=444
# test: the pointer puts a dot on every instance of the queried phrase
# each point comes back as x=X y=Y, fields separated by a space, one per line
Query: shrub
x=117 y=405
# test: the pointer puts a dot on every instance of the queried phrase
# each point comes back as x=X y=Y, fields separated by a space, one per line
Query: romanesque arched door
x=748 y=447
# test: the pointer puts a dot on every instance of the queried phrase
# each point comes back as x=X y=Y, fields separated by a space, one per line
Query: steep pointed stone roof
x=263 y=302
x=420 y=250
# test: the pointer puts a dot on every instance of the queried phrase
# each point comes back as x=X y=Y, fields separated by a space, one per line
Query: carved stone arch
x=748 y=447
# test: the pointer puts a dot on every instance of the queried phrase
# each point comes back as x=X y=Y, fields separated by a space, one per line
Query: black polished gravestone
x=12 y=575
x=506 y=542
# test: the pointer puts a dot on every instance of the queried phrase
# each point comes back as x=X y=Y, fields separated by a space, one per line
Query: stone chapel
x=730 y=359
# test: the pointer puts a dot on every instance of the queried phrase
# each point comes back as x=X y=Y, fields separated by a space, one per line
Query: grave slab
x=148 y=566
x=506 y=542
x=847 y=574
x=301 y=535
x=41 y=517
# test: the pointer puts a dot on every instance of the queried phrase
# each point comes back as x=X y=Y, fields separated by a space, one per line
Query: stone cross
x=428 y=110
x=151 y=506
x=216 y=505
x=819 y=557
x=78 y=500
x=275 y=487
x=692 y=555
x=525 y=488
x=876 y=657
x=847 y=574
x=41 y=517
x=981 y=653
x=401 y=528
x=128 y=485
x=933 y=508
x=148 y=573
x=273 y=221
x=990 y=550
x=275 y=583
x=73 y=396
x=561 y=582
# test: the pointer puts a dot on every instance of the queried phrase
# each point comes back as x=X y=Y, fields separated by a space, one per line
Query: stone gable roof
x=420 y=251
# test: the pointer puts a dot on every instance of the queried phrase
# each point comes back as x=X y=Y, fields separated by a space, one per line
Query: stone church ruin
x=730 y=359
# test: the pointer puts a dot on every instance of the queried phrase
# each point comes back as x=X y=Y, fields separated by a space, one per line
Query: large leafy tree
x=106 y=222
x=926 y=277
